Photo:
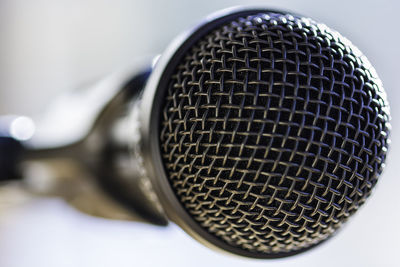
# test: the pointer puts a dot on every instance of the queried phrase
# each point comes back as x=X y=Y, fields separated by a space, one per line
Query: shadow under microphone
x=258 y=132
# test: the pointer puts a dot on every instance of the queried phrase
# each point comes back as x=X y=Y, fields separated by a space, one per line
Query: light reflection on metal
x=22 y=128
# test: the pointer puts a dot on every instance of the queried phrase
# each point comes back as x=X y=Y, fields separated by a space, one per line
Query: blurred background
x=49 y=46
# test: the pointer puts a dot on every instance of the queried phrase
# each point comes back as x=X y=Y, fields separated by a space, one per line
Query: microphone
x=259 y=132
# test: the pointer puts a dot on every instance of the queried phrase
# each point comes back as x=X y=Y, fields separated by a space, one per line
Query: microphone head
x=266 y=131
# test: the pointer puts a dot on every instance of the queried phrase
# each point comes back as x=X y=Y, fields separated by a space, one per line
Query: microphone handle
x=87 y=140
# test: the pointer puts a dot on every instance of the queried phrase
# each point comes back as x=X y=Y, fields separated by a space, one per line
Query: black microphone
x=259 y=132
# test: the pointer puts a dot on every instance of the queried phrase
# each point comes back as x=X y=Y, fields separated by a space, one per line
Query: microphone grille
x=274 y=129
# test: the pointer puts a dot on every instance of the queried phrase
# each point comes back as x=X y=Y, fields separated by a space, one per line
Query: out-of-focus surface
x=48 y=46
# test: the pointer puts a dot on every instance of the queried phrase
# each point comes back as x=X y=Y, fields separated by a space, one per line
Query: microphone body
x=259 y=132
x=82 y=149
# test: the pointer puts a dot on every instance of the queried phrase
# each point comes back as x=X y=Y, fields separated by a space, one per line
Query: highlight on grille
x=274 y=130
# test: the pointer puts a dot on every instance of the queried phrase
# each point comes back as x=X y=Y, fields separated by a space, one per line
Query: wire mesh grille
x=273 y=132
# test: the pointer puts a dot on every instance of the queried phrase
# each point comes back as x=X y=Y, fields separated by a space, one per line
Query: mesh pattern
x=273 y=132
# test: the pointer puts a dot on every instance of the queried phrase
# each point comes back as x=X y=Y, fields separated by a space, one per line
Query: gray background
x=48 y=46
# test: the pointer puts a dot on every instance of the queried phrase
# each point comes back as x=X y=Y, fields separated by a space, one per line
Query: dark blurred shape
x=10 y=152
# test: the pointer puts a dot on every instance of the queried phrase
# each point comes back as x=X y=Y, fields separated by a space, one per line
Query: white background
x=47 y=46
